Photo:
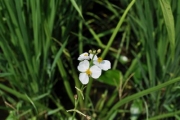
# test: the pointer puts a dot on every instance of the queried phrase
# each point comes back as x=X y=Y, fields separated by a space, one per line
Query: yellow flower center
x=85 y=54
x=88 y=72
x=99 y=60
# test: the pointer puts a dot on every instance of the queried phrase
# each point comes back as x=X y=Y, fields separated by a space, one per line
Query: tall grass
x=154 y=26
x=41 y=40
x=31 y=47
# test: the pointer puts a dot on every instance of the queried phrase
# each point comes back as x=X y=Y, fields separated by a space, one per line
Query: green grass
x=41 y=41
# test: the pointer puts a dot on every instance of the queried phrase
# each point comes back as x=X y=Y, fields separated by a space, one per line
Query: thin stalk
x=119 y=51
x=80 y=37
x=140 y=94
x=21 y=96
x=89 y=84
x=165 y=115
x=76 y=98
x=117 y=29
x=96 y=37
x=76 y=111
x=88 y=90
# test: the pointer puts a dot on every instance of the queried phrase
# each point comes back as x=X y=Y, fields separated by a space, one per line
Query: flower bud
x=99 y=51
x=75 y=96
x=90 y=51
x=94 y=51
x=88 y=117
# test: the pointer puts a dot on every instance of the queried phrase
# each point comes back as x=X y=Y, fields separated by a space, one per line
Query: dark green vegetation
x=40 y=42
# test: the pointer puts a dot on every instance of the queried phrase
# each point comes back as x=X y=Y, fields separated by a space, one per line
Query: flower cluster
x=91 y=66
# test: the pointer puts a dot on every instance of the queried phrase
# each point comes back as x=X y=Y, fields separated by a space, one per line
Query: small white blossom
x=86 y=72
x=84 y=56
x=103 y=64
x=93 y=56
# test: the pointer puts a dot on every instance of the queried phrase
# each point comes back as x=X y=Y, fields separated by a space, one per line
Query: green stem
x=95 y=36
x=119 y=51
x=88 y=90
x=117 y=28
x=21 y=96
x=140 y=94
x=80 y=91
x=65 y=81
x=165 y=115
x=80 y=37
x=74 y=110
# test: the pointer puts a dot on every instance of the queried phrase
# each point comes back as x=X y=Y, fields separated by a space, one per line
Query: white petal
x=96 y=62
x=105 y=65
x=84 y=78
x=83 y=66
x=84 y=56
x=96 y=71
x=95 y=56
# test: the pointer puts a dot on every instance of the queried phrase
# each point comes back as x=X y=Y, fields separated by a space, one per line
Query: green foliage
x=169 y=22
x=40 y=42
x=111 y=77
x=136 y=109
x=29 y=53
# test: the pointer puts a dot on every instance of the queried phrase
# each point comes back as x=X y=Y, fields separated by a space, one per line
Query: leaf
x=5 y=74
x=76 y=7
x=169 y=21
x=111 y=77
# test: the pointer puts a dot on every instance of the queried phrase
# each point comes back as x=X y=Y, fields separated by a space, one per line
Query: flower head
x=84 y=56
x=86 y=71
x=103 y=64
x=93 y=56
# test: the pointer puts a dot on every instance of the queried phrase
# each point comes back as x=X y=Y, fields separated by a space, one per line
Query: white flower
x=93 y=56
x=103 y=64
x=86 y=72
x=84 y=56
